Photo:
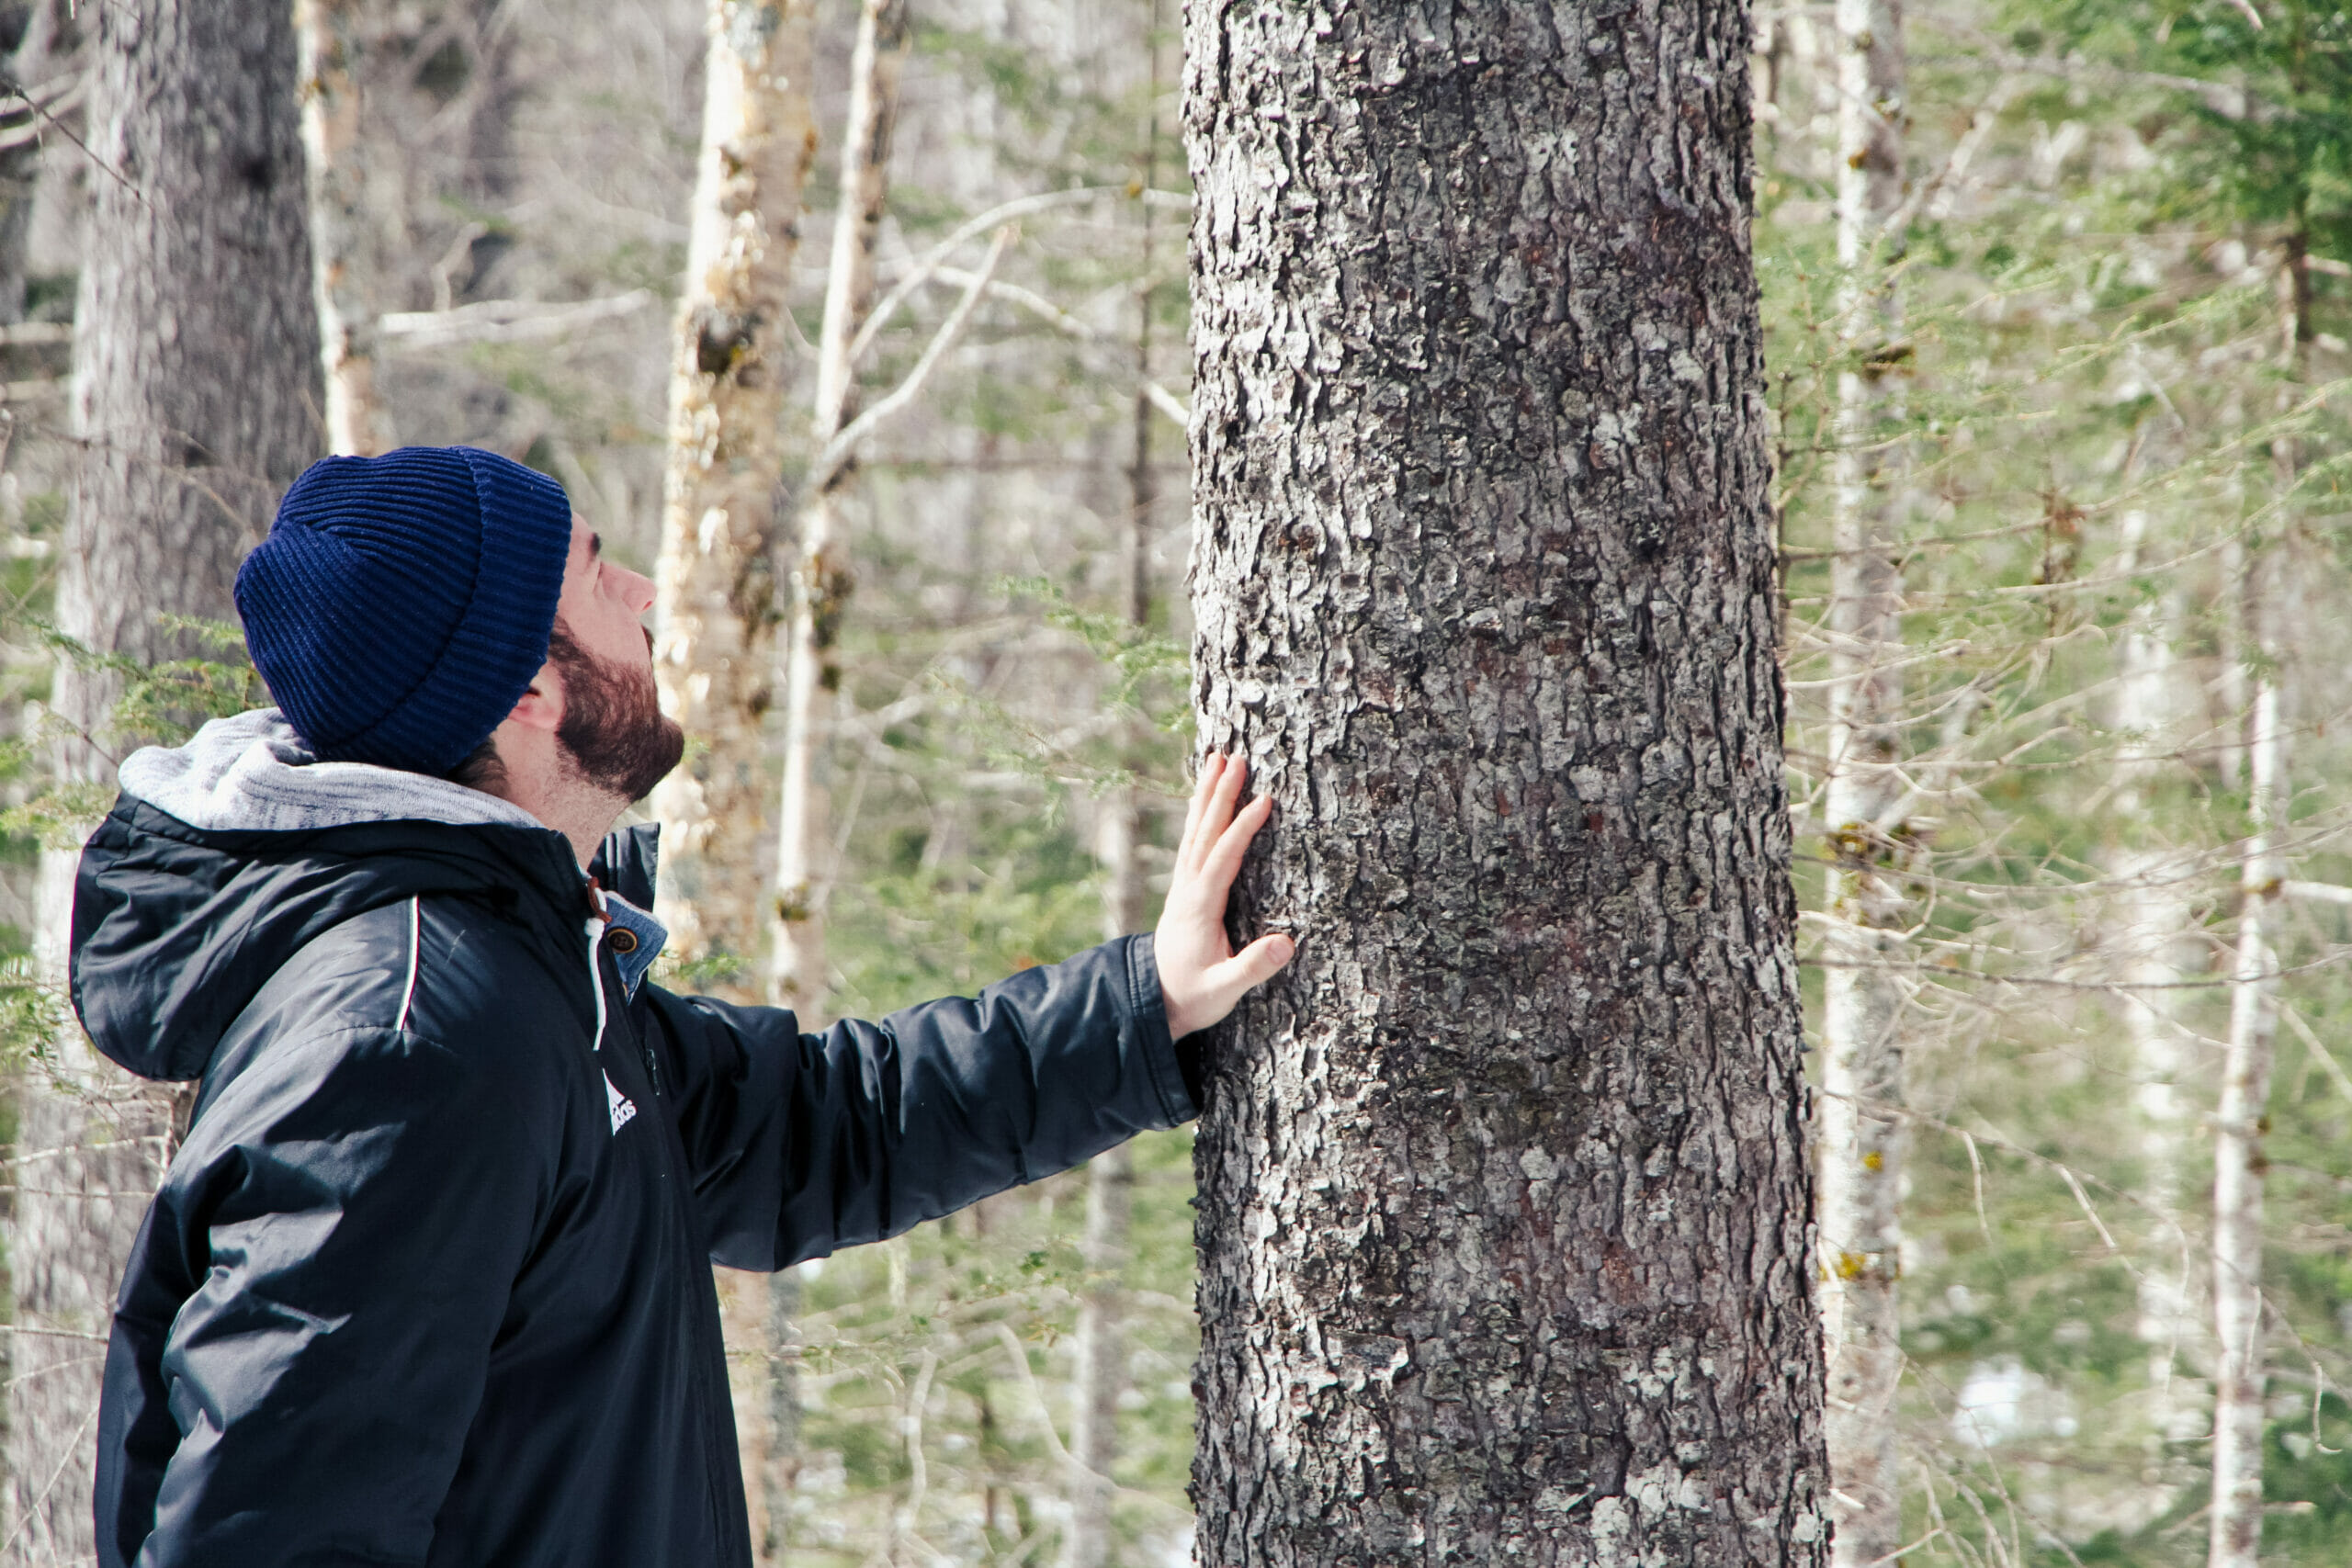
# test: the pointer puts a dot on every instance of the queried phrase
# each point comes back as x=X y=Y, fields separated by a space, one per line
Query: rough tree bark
x=714 y=610
x=1862 y=1003
x=333 y=47
x=821 y=574
x=196 y=397
x=1504 y=1199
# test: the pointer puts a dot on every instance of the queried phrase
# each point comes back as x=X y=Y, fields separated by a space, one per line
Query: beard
x=614 y=736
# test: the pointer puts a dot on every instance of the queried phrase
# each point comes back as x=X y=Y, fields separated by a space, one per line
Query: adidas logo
x=621 y=1107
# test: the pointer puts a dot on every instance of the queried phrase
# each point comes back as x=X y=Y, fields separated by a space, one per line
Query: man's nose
x=637 y=593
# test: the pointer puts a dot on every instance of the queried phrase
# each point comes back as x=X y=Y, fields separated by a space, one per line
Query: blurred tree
x=715 y=612
x=333 y=35
x=1099 y=1370
x=1504 y=1204
x=2241 y=1119
x=733 y=367
x=821 y=575
x=2154 y=934
x=196 y=400
x=2244 y=1114
x=36 y=42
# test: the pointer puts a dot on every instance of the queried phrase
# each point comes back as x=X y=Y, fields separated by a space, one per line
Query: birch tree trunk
x=1504 y=1204
x=2154 y=923
x=714 y=610
x=821 y=575
x=731 y=371
x=196 y=392
x=334 y=48
x=1861 y=1015
x=2238 y=1160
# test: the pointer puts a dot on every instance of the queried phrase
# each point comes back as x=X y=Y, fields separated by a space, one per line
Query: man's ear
x=541 y=705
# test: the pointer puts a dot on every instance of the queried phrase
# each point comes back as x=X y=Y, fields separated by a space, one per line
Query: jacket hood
x=224 y=857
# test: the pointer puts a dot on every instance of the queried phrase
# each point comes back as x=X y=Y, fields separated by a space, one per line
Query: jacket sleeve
x=801 y=1144
x=332 y=1256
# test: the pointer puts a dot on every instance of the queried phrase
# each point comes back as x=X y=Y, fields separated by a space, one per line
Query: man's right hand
x=1201 y=978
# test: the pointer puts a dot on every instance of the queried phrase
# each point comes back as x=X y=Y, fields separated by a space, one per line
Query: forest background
x=2102 y=578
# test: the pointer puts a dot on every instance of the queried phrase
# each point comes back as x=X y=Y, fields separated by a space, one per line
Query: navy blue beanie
x=402 y=604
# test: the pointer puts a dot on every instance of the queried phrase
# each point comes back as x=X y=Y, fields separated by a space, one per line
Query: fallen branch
x=1954 y=168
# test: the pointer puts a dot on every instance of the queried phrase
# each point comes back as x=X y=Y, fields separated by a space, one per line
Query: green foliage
x=162 y=703
x=2097 y=438
x=994 y=701
x=34 y=1013
x=1146 y=677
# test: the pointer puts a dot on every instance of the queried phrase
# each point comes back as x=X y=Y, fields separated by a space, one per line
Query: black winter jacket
x=428 y=1281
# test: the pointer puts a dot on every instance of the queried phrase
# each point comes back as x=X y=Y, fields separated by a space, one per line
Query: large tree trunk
x=1504 y=1199
x=821 y=575
x=1862 y=1003
x=196 y=397
x=730 y=370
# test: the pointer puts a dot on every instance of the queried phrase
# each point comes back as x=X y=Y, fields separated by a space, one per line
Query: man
x=428 y=1281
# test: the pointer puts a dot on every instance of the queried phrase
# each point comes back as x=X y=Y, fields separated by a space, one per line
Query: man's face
x=612 y=733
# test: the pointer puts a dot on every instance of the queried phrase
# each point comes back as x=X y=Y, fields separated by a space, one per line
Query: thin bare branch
x=963 y=234
x=839 y=450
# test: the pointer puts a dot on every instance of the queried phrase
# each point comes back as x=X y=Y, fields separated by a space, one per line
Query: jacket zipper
x=598 y=919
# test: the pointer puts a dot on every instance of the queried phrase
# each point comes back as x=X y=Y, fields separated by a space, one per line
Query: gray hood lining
x=252 y=774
